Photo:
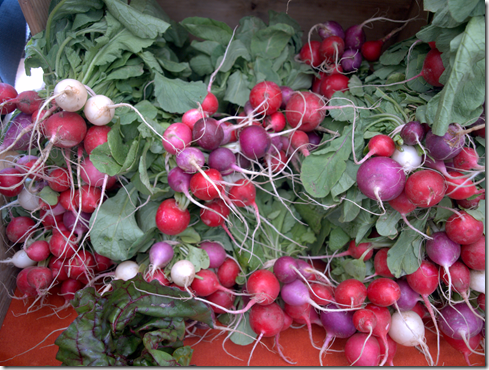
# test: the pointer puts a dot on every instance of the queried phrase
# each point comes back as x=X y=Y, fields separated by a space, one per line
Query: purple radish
x=330 y=28
x=408 y=298
x=459 y=322
x=446 y=146
x=208 y=133
x=254 y=142
x=17 y=124
x=285 y=269
x=190 y=160
x=160 y=254
x=412 y=133
x=216 y=253
x=351 y=60
x=179 y=180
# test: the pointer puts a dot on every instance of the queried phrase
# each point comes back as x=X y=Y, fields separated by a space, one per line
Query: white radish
x=408 y=329
x=99 y=110
x=27 y=200
x=183 y=273
x=126 y=270
x=20 y=260
x=478 y=281
x=70 y=95
x=408 y=157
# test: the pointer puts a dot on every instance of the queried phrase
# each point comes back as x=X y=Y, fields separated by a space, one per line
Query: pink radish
x=19 y=229
x=462 y=228
x=228 y=272
x=362 y=350
x=305 y=111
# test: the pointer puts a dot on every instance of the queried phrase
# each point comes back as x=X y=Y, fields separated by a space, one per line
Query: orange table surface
x=28 y=340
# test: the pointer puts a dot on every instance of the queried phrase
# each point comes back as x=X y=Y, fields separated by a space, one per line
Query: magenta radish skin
x=266 y=97
x=186 y=158
x=176 y=137
x=223 y=160
x=283 y=269
x=442 y=250
x=160 y=254
x=408 y=298
x=207 y=133
x=412 y=133
x=338 y=323
x=330 y=28
x=81 y=226
x=446 y=146
x=381 y=178
x=179 y=180
x=17 y=124
x=355 y=37
x=371 y=351
x=38 y=251
x=92 y=176
x=295 y=293
x=459 y=321
x=216 y=253
x=254 y=141
x=351 y=60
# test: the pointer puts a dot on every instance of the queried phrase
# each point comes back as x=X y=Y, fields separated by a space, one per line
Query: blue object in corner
x=13 y=26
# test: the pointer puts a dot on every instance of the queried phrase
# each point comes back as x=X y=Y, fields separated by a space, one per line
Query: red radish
x=266 y=98
x=40 y=278
x=207 y=133
x=7 y=93
x=213 y=219
x=159 y=276
x=310 y=54
x=421 y=310
x=221 y=298
x=32 y=166
x=207 y=187
x=391 y=350
x=243 y=194
x=207 y=285
x=275 y=122
x=93 y=177
x=102 y=263
x=462 y=228
x=433 y=68
x=384 y=319
x=481 y=301
x=302 y=314
x=467 y=160
x=457 y=277
x=461 y=346
x=66 y=199
x=266 y=321
x=254 y=141
x=425 y=188
x=287 y=322
x=474 y=255
x=263 y=286
x=332 y=49
x=472 y=203
x=191 y=116
x=459 y=187
x=96 y=135
x=49 y=221
x=305 y=111
x=38 y=251
x=277 y=162
x=59 y=180
x=170 y=218
x=362 y=350
x=383 y=292
x=56 y=265
x=62 y=245
x=379 y=145
x=364 y=320
x=380 y=263
x=299 y=140
x=23 y=285
x=69 y=287
x=65 y=129
x=11 y=180
x=81 y=266
x=19 y=229
x=404 y=206
x=350 y=293
x=371 y=50
x=381 y=178
x=90 y=198
x=321 y=294
x=228 y=272
x=357 y=251
x=333 y=83
x=28 y=101
x=210 y=104
x=176 y=137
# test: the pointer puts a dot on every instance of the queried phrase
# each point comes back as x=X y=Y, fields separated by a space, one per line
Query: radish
x=90 y=198
x=80 y=266
x=364 y=320
x=408 y=298
x=207 y=284
x=412 y=133
x=93 y=177
x=183 y=273
x=333 y=83
x=481 y=301
x=57 y=270
x=330 y=28
x=446 y=146
x=99 y=110
x=351 y=60
x=28 y=200
x=472 y=203
x=62 y=244
x=380 y=263
x=331 y=49
x=263 y=287
x=362 y=350
x=102 y=263
x=65 y=129
x=38 y=251
x=350 y=293
x=408 y=157
x=337 y=323
x=210 y=104
x=302 y=315
x=266 y=321
x=11 y=180
x=254 y=141
x=305 y=111
x=191 y=116
x=266 y=98
x=70 y=95
x=207 y=185
x=228 y=272
x=20 y=259
x=478 y=281
x=160 y=254
x=459 y=322
x=287 y=93
x=19 y=133
x=464 y=348
x=7 y=94
x=95 y=136
x=78 y=223
x=159 y=276
x=40 y=278
x=425 y=188
x=221 y=298
x=474 y=255
x=285 y=269
x=467 y=160
x=176 y=137
x=207 y=133
x=380 y=330
x=310 y=53
x=408 y=329
x=383 y=292
x=215 y=251
x=462 y=228
x=389 y=351
x=275 y=122
x=27 y=101
x=299 y=140
x=126 y=270
x=443 y=251
x=19 y=229
x=68 y=289
x=170 y=218
x=459 y=187
x=381 y=178
x=23 y=285
x=433 y=67
x=223 y=160
x=59 y=180
x=379 y=145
